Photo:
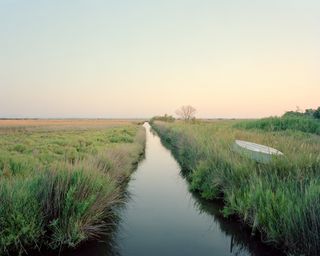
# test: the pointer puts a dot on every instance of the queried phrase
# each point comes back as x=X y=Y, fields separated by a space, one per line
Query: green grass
x=59 y=187
x=279 y=200
x=295 y=123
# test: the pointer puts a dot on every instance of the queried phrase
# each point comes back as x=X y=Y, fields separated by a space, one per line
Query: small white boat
x=257 y=152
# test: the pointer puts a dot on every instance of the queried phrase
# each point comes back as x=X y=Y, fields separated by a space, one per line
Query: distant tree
x=298 y=109
x=309 y=112
x=293 y=114
x=316 y=113
x=186 y=113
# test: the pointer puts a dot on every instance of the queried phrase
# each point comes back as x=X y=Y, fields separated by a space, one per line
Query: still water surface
x=163 y=218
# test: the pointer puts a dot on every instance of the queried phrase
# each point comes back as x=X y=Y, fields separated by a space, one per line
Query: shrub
x=316 y=113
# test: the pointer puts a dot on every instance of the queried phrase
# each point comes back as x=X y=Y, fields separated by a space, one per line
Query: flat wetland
x=67 y=184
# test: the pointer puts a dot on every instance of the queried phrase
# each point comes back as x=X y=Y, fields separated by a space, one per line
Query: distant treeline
x=165 y=118
x=307 y=121
x=313 y=113
x=170 y=119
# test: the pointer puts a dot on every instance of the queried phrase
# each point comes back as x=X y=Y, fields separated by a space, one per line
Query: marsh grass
x=53 y=199
x=279 y=200
x=293 y=123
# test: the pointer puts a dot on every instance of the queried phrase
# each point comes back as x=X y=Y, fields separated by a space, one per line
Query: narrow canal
x=163 y=218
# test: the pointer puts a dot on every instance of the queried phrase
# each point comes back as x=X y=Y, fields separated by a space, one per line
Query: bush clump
x=308 y=121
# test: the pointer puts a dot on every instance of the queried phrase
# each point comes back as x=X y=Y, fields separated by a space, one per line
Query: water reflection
x=242 y=241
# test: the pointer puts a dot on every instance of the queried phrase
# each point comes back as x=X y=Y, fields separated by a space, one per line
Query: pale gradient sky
x=140 y=58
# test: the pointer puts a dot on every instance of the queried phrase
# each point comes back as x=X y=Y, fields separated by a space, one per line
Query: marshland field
x=64 y=183
x=60 y=180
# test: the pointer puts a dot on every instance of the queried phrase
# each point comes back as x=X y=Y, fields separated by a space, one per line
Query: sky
x=131 y=59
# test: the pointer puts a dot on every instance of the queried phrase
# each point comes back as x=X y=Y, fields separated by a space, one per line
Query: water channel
x=162 y=217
